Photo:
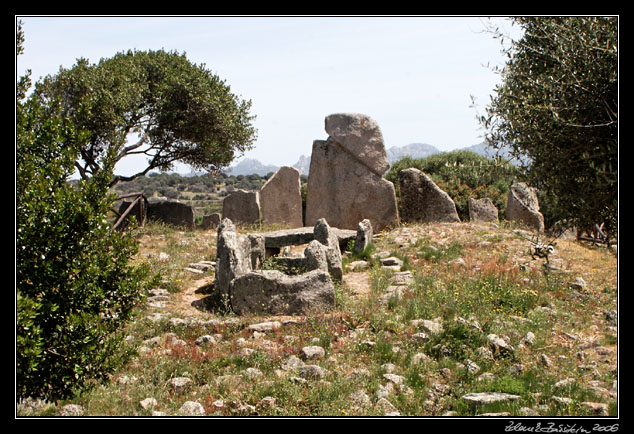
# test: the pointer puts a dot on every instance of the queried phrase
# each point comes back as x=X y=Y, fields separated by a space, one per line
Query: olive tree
x=152 y=103
x=557 y=106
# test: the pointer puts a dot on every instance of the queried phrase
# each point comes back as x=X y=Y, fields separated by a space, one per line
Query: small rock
x=387 y=407
x=596 y=408
x=148 y=403
x=499 y=345
x=265 y=326
x=489 y=397
x=180 y=383
x=191 y=408
x=312 y=353
x=205 y=339
x=311 y=372
x=293 y=362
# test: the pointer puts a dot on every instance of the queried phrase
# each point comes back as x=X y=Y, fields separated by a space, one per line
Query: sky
x=414 y=75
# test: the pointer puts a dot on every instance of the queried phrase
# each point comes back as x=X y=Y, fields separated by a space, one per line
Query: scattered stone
x=596 y=408
x=360 y=399
x=148 y=403
x=498 y=344
x=180 y=383
x=312 y=353
x=422 y=200
x=489 y=397
x=292 y=363
x=281 y=199
x=191 y=408
x=523 y=206
x=311 y=372
x=431 y=327
x=267 y=326
x=205 y=339
x=386 y=406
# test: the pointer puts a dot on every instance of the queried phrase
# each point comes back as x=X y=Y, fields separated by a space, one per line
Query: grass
x=496 y=289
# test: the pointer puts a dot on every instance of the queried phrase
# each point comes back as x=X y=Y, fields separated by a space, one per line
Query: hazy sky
x=413 y=75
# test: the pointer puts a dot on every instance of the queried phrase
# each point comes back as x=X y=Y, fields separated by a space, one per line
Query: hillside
x=475 y=317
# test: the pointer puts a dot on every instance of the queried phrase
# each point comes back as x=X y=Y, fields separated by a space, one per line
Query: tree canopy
x=152 y=103
x=558 y=106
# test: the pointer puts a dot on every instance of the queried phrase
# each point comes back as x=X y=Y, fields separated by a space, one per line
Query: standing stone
x=242 y=207
x=328 y=238
x=422 y=200
x=281 y=198
x=482 y=210
x=345 y=185
x=171 y=212
x=364 y=236
x=233 y=256
x=211 y=221
x=522 y=206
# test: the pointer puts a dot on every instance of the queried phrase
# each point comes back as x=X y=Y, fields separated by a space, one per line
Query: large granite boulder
x=242 y=207
x=281 y=198
x=345 y=184
x=522 y=206
x=422 y=200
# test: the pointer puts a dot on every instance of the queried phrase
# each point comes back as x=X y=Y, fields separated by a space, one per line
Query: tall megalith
x=345 y=183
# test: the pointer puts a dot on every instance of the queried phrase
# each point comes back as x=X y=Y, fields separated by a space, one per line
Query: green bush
x=75 y=284
x=462 y=175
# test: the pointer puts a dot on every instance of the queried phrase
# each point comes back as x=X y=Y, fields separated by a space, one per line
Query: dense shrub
x=463 y=175
x=75 y=284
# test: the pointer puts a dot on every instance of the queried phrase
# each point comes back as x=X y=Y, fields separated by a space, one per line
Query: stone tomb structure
x=252 y=290
x=345 y=184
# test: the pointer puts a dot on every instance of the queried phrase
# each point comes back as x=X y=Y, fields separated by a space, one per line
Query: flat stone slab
x=303 y=235
x=489 y=397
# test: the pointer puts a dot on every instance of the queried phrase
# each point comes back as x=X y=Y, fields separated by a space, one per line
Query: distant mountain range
x=250 y=166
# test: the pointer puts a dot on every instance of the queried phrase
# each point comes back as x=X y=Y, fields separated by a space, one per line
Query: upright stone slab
x=281 y=198
x=242 y=207
x=482 y=210
x=211 y=221
x=422 y=200
x=345 y=184
x=327 y=237
x=364 y=236
x=522 y=206
x=234 y=257
x=171 y=212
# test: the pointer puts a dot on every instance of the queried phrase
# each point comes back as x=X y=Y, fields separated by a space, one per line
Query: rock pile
x=345 y=185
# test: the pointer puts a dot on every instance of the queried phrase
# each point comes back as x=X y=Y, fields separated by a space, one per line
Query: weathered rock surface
x=482 y=210
x=422 y=200
x=345 y=184
x=281 y=199
x=523 y=206
x=327 y=237
x=271 y=292
x=233 y=255
x=242 y=207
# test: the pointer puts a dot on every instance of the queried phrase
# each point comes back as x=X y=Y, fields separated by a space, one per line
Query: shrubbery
x=463 y=175
x=75 y=283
